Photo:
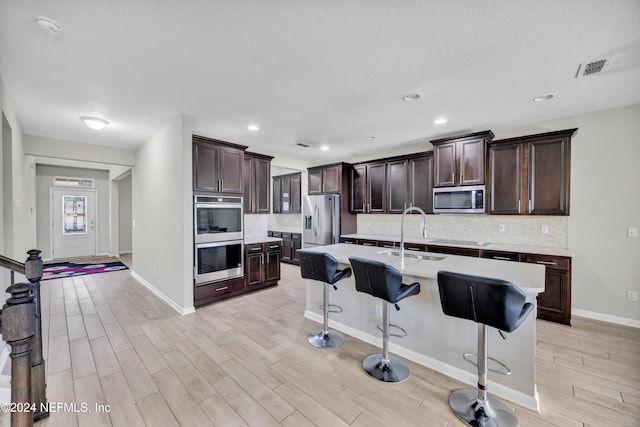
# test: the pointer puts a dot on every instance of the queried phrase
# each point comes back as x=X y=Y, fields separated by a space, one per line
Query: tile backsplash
x=518 y=230
x=255 y=225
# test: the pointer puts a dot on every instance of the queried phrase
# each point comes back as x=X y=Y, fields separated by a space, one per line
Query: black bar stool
x=323 y=267
x=385 y=282
x=488 y=302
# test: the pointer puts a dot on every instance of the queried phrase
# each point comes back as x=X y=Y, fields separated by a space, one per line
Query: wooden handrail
x=11 y=264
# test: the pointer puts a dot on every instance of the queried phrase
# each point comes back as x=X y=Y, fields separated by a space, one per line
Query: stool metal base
x=330 y=339
x=466 y=406
x=394 y=372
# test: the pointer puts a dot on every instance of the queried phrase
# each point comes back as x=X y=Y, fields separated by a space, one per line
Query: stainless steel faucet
x=424 y=229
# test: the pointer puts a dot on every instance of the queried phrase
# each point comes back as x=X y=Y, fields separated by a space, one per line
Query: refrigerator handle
x=316 y=212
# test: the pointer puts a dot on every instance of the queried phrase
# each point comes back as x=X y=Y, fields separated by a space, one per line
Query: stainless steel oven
x=218 y=261
x=217 y=219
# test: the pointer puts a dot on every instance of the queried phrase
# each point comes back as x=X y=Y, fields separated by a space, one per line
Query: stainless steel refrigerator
x=321 y=220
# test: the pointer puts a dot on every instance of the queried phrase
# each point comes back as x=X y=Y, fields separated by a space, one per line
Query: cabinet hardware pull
x=222 y=288
x=503 y=258
x=460 y=177
x=261 y=258
x=255 y=249
x=367 y=244
x=530 y=204
x=274 y=246
x=453 y=177
x=546 y=262
x=221 y=184
x=518 y=206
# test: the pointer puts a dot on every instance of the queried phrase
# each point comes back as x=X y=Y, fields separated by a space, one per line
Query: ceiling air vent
x=594 y=67
x=303 y=144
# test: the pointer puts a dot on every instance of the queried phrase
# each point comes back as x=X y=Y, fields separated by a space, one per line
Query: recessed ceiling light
x=370 y=138
x=411 y=97
x=440 y=121
x=94 y=122
x=324 y=147
x=253 y=128
x=543 y=98
x=48 y=24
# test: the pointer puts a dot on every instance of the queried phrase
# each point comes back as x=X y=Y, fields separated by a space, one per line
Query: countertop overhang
x=528 y=277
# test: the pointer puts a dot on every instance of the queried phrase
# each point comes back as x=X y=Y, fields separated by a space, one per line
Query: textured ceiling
x=323 y=72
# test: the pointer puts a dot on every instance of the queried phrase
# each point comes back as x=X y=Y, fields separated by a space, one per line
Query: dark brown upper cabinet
x=217 y=166
x=421 y=181
x=530 y=174
x=369 y=188
x=257 y=183
x=326 y=179
x=397 y=186
x=460 y=160
x=287 y=193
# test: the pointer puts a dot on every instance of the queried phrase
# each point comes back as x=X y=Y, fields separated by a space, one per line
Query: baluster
x=18 y=329
x=33 y=272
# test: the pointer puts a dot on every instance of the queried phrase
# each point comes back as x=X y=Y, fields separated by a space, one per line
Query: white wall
x=162 y=235
x=71 y=150
x=44 y=182
x=124 y=215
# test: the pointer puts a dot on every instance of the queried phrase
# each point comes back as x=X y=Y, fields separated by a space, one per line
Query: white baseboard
x=183 y=311
x=466 y=377
x=605 y=317
x=125 y=252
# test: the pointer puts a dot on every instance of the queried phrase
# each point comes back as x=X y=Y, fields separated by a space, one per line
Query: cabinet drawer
x=211 y=292
x=387 y=244
x=273 y=247
x=504 y=256
x=453 y=250
x=348 y=241
x=254 y=248
x=276 y=234
x=555 y=262
x=415 y=247
x=286 y=235
x=296 y=236
x=365 y=242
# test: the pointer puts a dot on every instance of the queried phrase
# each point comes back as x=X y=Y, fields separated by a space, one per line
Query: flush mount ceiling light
x=543 y=98
x=440 y=121
x=94 y=122
x=48 y=24
x=253 y=128
x=370 y=138
x=411 y=97
x=324 y=147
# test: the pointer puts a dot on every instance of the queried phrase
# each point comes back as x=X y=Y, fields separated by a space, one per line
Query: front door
x=73 y=214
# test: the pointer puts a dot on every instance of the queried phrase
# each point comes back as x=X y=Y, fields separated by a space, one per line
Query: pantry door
x=73 y=217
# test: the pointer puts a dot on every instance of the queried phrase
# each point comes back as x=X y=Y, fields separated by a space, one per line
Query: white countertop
x=542 y=250
x=261 y=239
x=285 y=229
x=528 y=277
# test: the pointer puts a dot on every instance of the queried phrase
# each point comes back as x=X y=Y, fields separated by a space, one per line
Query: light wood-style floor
x=246 y=361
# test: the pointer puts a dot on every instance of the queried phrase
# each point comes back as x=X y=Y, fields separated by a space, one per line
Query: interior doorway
x=73 y=220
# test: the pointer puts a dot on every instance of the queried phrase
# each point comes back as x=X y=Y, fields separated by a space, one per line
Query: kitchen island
x=435 y=340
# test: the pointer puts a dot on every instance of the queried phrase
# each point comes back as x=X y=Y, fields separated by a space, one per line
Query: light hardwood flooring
x=246 y=361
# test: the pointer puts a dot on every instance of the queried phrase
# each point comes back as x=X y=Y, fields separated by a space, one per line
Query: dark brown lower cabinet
x=554 y=303
x=291 y=242
x=262 y=264
x=212 y=292
x=451 y=250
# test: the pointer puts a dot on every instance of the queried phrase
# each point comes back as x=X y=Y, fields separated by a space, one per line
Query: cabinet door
x=396 y=186
x=273 y=263
x=331 y=179
x=315 y=181
x=421 y=183
x=296 y=243
x=262 y=185
x=553 y=303
x=287 y=245
x=471 y=161
x=254 y=267
x=376 y=187
x=230 y=172
x=296 y=194
x=286 y=194
x=549 y=177
x=445 y=164
x=247 y=183
x=277 y=195
x=505 y=179
x=358 y=189
x=205 y=159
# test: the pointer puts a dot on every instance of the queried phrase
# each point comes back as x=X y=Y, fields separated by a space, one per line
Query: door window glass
x=74 y=214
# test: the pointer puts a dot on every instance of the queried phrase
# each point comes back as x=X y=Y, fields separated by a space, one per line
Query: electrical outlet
x=632 y=296
x=544 y=229
x=632 y=232
x=501 y=228
x=379 y=311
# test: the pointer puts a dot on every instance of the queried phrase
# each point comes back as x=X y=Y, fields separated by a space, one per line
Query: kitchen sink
x=415 y=255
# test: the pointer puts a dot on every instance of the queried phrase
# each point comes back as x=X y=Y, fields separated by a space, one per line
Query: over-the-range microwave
x=466 y=199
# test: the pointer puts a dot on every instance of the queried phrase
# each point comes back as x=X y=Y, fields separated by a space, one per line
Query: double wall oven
x=218 y=238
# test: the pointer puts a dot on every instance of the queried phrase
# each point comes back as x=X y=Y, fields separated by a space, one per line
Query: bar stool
x=385 y=282
x=323 y=267
x=488 y=302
